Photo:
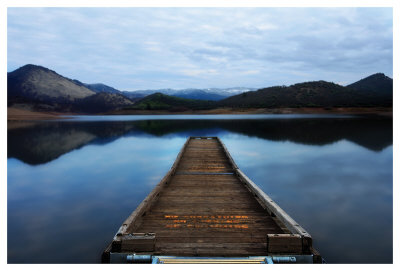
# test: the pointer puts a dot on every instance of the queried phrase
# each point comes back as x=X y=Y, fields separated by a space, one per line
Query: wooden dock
x=206 y=209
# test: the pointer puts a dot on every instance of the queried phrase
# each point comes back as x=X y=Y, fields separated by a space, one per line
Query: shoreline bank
x=381 y=111
x=19 y=115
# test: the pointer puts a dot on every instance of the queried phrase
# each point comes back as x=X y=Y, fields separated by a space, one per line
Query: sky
x=154 y=48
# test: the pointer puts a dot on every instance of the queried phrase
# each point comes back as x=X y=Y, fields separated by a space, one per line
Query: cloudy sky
x=151 y=48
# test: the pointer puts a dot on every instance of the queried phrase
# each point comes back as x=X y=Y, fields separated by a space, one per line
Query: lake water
x=71 y=183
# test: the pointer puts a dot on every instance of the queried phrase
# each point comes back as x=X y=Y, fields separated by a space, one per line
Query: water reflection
x=47 y=141
x=71 y=184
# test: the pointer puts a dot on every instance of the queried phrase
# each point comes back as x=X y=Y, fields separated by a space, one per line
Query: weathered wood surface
x=205 y=206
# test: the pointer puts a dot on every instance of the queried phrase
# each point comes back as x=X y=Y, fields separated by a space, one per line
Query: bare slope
x=42 y=84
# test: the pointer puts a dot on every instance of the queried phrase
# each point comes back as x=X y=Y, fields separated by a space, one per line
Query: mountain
x=133 y=95
x=99 y=87
x=159 y=101
x=210 y=94
x=308 y=94
x=147 y=92
x=199 y=94
x=227 y=92
x=45 y=90
x=39 y=88
x=102 y=102
x=376 y=84
x=43 y=85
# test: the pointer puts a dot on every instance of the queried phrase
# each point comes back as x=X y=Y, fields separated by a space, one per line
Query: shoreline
x=379 y=111
x=16 y=115
x=19 y=118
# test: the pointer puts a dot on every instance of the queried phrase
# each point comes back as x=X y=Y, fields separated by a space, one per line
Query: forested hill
x=312 y=94
x=159 y=101
x=376 y=84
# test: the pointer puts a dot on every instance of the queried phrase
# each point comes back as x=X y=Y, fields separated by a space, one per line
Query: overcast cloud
x=150 y=48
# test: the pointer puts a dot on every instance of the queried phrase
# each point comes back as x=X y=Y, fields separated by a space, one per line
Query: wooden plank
x=200 y=235
x=251 y=217
x=213 y=246
x=205 y=208
x=138 y=242
x=174 y=191
x=284 y=244
x=211 y=230
x=243 y=238
x=207 y=211
x=211 y=252
x=167 y=200
x=217 y=183
x=210 y=223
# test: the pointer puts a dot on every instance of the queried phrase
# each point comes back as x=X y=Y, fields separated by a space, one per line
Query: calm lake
x=71 y=183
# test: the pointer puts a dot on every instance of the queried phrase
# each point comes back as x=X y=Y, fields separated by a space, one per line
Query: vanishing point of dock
x=206 y=210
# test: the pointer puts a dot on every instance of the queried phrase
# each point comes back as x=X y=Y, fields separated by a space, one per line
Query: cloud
x=251 y=72
x=139 y=48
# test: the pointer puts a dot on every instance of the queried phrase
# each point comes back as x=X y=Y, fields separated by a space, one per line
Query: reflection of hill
x=374 y=134
x=47 y=141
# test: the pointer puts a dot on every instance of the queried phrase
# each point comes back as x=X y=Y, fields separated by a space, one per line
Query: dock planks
x=200 y=213
x=205 y=207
